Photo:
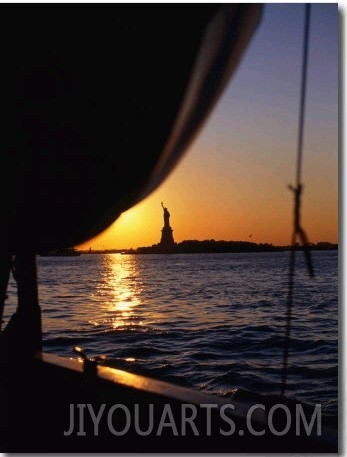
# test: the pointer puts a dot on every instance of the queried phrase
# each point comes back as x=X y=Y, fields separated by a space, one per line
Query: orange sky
x=233 y=180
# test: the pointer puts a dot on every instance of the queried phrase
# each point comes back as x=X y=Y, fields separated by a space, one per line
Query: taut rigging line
x=298 y=231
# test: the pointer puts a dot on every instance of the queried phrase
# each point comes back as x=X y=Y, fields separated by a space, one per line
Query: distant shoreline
x=212 y=247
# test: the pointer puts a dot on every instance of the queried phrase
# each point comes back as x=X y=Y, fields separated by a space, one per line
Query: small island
x=167 y=245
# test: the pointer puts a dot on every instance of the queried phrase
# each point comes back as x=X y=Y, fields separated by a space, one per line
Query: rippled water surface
x=211 y=321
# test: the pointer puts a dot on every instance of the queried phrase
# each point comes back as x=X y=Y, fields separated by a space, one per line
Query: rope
x=298 y=231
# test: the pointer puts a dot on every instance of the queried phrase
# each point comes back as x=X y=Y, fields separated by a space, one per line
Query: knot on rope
x=299 y=232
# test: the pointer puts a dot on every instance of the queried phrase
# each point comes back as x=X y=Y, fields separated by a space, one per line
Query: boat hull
x=51 y=402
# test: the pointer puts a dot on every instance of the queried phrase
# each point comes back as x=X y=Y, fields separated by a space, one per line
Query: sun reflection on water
x=123 y=286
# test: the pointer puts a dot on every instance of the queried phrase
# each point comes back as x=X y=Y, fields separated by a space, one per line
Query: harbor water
x=214 y=322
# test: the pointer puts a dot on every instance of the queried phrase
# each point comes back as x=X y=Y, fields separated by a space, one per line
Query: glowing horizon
x=233 y=180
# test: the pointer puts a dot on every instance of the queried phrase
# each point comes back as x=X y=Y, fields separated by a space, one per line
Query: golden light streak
x=123 y=290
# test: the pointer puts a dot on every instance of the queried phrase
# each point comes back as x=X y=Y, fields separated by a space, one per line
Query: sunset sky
x=232 y=182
